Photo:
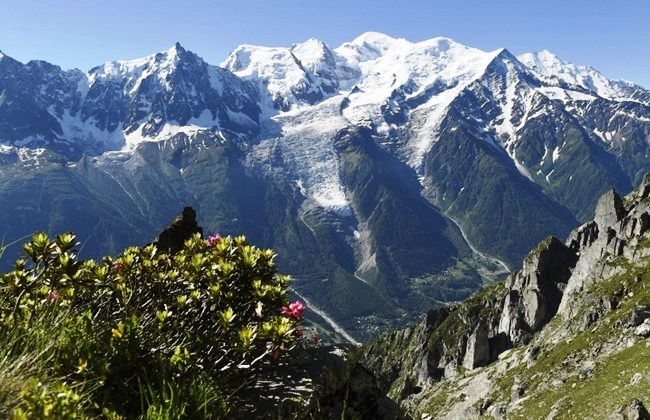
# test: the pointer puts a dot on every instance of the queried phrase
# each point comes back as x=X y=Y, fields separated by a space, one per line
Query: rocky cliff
x=566 y=336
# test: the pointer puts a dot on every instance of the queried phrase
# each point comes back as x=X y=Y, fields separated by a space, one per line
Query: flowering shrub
x=42 y=402
x=146 y=317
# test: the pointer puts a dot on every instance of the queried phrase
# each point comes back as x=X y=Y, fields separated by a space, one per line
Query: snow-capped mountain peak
x=551 y=68
x=373 y=63
x=164 y=61
x=543 y=61
x=310 y=50
x=314 y=55
x=120 y=68
x=303 y=74
x=376 y=39
x=314 y=91
x=396 y=61
x=274 y=69
x=440 y=43
x=176 y=50
x=122 y=103
x=370 y=46
x=375 y=78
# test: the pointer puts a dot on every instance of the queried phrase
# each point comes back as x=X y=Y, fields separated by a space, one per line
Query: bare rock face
x=402 y=372
x=644 y=189
x=609 y=210
x=594 y=241
x=583 y=236
x=535 y=292
x=616 y=231
x=643 y=330
x=476 y=332
x=633 y=411
x=640 y=314
x=477 y=352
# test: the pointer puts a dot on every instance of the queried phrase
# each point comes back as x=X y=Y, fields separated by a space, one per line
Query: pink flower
x=212 y=240
x=294 y=309
x=118 y=266
x=314 y=339
x=298 y=333
x=54 y=296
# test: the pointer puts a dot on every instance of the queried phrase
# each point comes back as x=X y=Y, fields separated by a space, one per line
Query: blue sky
x=613 y=37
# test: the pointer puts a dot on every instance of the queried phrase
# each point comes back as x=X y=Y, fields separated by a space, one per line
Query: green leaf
x=66 y=241
x=246 y=336
x=227 y=316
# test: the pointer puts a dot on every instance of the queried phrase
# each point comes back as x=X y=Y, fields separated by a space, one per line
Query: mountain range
x=389 y=176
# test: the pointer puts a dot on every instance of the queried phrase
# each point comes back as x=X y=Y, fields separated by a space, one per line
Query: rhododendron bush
x=216 y=307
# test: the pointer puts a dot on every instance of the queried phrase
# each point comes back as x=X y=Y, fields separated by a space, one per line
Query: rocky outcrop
x=644 y=188
x=609 y=210
x=576 y=282
x=583 y=236
x=640 y=313
x=171 y=239
x=401 y=373
x=465 y=335
x=476 y=332
x=616 y=232
x=315 y=382
x=635 y=410
x=477 y=351
x=534 y=293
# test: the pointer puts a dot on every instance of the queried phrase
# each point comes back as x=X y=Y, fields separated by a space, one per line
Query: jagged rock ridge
x=546 y=339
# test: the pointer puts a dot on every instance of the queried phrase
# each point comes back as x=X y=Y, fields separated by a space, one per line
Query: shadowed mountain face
x=389 y=176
